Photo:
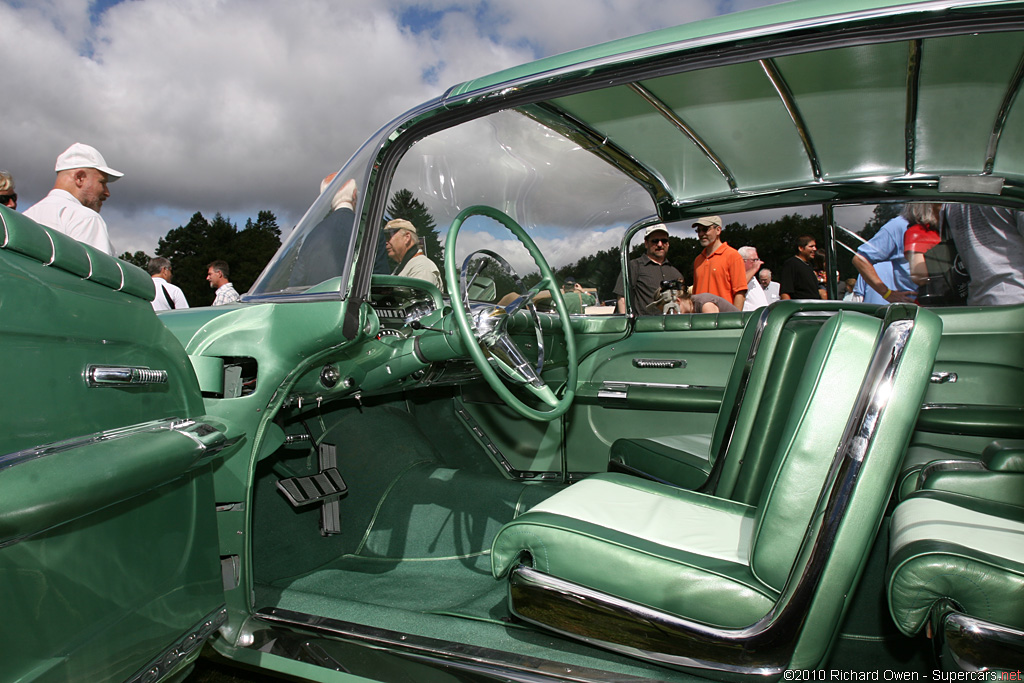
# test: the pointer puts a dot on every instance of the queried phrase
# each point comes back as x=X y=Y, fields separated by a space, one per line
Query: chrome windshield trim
x=1012 y=89
x=913 y=91
x=768 y=644
x=789 y=102
x=669 y=115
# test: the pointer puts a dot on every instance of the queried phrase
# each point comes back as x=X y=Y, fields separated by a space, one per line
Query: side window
x=933 y=254
x=726 y=262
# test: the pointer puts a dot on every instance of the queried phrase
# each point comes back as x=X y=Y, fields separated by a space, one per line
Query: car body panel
x=802 y=107
x=108 y=548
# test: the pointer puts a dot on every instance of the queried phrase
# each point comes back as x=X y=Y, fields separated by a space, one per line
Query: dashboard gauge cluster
x=398 y=306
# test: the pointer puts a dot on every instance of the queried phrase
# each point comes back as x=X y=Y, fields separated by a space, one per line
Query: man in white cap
x=73 y=205
x=403 y=246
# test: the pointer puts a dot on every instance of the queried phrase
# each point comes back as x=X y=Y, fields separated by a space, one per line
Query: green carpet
x=427 y=547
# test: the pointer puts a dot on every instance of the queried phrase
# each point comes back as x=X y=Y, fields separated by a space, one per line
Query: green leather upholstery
x=609 y=530
x=771 y=351
x=997 y=473
x=52 y=248
x=947 y=546
x=726 y=564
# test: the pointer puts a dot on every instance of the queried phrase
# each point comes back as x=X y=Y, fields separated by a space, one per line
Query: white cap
x=660 y=227
x=84 y=156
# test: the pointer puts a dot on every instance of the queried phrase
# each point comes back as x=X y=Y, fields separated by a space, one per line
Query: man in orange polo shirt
x=719 y=268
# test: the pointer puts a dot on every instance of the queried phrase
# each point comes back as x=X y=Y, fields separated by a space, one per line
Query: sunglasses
x=704 y=228
x=8 y=198
x=389 y=233
x=658 y=240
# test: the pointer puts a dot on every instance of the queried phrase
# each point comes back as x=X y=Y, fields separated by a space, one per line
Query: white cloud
x=241 y=105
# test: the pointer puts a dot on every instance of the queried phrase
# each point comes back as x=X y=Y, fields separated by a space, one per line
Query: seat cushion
x=942 y=545
x=674 y=550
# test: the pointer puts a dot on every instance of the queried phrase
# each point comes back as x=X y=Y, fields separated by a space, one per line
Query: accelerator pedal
x=324 y=487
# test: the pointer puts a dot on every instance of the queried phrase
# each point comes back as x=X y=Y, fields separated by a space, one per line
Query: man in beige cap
x=403 y=246
x=73 y=205
x=718 y=268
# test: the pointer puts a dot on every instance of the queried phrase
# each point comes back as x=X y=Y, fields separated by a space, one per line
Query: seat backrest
x=771 y=356
x=829 y=386
x=859 y=475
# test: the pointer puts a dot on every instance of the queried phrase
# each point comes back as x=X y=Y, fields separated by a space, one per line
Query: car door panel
x=975 y=393
x=664 y=380
x=109 y=566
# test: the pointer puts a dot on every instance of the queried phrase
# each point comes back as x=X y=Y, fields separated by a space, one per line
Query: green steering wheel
x=486 y=338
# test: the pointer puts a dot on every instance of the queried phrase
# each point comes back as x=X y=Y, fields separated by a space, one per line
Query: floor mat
x=427 y=547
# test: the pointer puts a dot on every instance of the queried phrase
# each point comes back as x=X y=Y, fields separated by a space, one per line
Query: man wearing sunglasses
x=647 y=272
x=403 y=246
x=719 y=268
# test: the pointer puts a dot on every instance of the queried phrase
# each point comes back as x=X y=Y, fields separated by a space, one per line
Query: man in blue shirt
x=886 y=250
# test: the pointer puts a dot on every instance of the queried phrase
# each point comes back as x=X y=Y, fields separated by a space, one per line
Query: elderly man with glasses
x=403 y=246
x=718 y=269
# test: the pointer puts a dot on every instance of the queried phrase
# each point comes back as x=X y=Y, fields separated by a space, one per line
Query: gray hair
x=157 y=264
x=747 y=252
x=922 y=213
x=6 y=182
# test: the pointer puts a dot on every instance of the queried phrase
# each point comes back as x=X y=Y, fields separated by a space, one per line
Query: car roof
x=799 y=101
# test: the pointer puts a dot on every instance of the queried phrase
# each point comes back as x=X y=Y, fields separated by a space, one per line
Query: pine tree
x=139 y=258
x=191 y=247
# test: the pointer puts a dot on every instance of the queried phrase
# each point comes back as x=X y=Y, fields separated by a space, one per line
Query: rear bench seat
x=956 y=572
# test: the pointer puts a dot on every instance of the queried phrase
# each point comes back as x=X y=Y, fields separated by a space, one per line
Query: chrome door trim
x=169 y=660
x=123 y=376
x=271 y=627
x=190 y=428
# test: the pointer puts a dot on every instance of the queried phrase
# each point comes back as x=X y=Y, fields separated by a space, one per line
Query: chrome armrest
x=966 y=643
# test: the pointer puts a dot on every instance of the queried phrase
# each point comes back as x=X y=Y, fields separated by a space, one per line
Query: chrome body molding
x=123 y=376
x=966 y=643
x=764 y=648
x=190 y=428
x=326 y=642
x=170 y=659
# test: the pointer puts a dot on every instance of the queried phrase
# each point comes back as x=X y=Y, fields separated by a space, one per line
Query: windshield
x=570 y=201
x=319 y=249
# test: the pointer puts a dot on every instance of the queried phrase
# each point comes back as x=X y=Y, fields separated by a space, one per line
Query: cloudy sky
x=241 y=105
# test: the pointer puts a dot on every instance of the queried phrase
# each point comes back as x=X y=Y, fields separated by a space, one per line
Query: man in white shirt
x=770 y=287
x=756 y=297
x=168 y=297
x=217 y=275
x=73 y=205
